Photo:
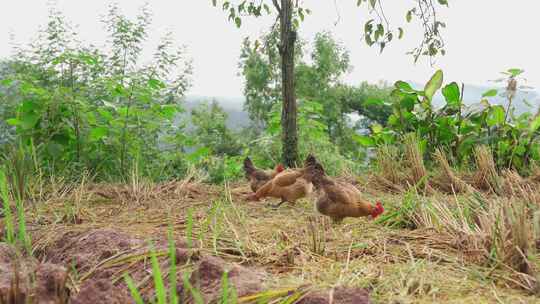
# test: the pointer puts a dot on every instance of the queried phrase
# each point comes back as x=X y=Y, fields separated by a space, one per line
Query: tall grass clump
x=11 y=235
x=389 y=176
x=486 y=177
x=405 y=214
x=9 y=229
x=448 y=180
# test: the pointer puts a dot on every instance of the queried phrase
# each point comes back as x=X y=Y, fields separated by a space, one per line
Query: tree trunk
x=289 y=134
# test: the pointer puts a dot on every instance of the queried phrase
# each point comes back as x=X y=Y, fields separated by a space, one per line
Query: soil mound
x=85 y=250
x=101 y=292
x=24 y=279
x=208 y=275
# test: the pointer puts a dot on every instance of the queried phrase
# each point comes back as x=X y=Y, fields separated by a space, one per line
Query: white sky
x=483 y=37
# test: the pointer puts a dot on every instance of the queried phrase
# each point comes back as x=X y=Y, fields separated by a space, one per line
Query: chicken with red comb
x=339 y=200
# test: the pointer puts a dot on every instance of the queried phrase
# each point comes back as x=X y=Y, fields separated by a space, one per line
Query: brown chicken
x=289 y=185
x=257 y=177
x=339 y=200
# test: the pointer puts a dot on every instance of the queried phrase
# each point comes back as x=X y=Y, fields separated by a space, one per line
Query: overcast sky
x=483 y=37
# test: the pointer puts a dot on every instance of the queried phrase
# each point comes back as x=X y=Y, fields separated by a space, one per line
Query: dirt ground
x=89 y=237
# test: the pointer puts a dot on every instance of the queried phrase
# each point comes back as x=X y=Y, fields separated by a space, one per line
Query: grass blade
x=197 y=297
x=133 y=290
x=172 y=268
x=161 y=295
x=23 y=235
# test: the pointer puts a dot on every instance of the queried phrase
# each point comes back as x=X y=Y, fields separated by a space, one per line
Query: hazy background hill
x=238 y=118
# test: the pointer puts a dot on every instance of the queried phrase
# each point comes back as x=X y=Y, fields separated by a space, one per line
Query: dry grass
x=389 y=176
x=486 y=177
x=535 y=173
x=460 y=251
x=447 y=180
x=415 y=161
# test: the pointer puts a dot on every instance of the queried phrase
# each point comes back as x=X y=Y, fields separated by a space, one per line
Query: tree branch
x=276 y=5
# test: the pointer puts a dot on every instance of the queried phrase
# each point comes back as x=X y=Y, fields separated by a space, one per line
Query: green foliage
x=376 y=31
x=85 y=108
x=456 y=128
x=210 y=130
x=313 y=137
x=319 y=90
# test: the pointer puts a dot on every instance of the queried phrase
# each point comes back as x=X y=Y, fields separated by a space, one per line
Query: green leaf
x=365 y=141
x=98 y=133
x=214 y=3
x=393 y=120
x=198 y=155
x=156 y=84
x=403 y=86
x=520 y=150
x=495 y=116
x=407 y=103
x=515 y=72
x=29 y=106
x=376 y=128
x=29 y=120
x=535 y=124
x=443 y=2
x=238 y=21
x=105 y=114
x=369 y=41
x=168 y=111
x=368 y=27
x=6 y=82
x=433 y=84
x=88 y=59
x=372 y=3
x=119 y=91
x=379 y=32
x=490 y=93
x=451 y=95
x=373 y=102
x=400 y=33
x=409 y=16
x=13 y=121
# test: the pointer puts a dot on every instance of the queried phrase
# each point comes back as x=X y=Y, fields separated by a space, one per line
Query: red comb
x=377 y=210
x=279 y=168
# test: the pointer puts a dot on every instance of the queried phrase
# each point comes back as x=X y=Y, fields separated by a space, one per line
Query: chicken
x=339 y=200
x=289 y=185
x=257 y=177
